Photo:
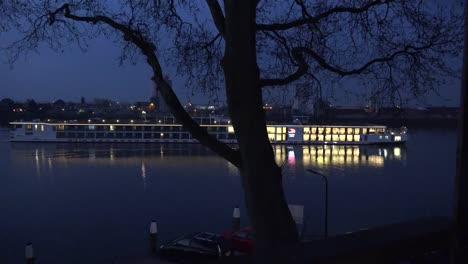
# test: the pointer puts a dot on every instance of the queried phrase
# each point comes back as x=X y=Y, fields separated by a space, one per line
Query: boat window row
x=129 y=135
x=335 y=138
x=133 y=128
x=344 y=130
x=31 y=127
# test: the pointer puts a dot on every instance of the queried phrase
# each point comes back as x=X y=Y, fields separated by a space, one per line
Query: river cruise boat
x=164 y=131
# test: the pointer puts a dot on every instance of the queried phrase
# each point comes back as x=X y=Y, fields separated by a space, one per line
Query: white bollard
x=236 y=218
x=153 y=237
x=29 y=253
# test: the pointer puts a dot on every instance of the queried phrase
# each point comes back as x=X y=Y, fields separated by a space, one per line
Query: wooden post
x=29 y=254
x=236 y=218
x=153 y=237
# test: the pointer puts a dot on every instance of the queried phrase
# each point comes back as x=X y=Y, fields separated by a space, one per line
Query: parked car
x=241 y=240
x=196 y=247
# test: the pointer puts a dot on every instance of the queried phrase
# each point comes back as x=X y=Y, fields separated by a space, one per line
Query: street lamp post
x=326 y=199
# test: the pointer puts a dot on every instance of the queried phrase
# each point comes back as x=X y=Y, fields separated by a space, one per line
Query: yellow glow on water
x=341 y=151
x=397 y=152
x=376 y=160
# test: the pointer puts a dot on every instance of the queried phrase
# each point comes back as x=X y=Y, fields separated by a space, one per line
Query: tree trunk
x=274 y=229
x=461 y=178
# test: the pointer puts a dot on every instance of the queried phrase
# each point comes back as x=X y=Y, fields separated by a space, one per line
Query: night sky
x=48 y=76
x=94 y=74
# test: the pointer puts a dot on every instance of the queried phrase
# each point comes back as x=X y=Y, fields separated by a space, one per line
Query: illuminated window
x=397 y=138
x=230 y=129
x=305 y=137
x=320 y=130
x=342 y=137
x=364 y=130
x=313 y=137
x=335 y=130
x=279 y=137
x=306 y=130
x=42 y=128
x=320 y=137
x=356 y=131
x=327 y=137
x=90 y=127
x=336 y=137
x=328 y=130
x=112 y=128
x=35 y=127
x=61 y=127
x=349 y=137
x=313 y=130
x=357 y=138
x=271 y=136
x=342 y=131
x=28 y=127
x=271 y=130
x=371 y=130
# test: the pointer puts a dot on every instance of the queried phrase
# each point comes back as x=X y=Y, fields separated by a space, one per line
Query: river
x=87 y=203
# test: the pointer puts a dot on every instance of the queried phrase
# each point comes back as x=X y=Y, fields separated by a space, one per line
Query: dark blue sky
x=48 y=76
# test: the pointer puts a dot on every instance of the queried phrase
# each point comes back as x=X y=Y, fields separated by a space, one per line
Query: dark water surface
x=88 y=203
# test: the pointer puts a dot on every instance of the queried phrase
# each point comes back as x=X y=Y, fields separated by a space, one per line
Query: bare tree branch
x=148 y=49
x=308 y=19
x=408 y=50
x=217 y=14
x=301 y=70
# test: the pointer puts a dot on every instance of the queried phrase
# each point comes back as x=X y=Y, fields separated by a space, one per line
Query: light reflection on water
x=69 y=198
x=314 y=156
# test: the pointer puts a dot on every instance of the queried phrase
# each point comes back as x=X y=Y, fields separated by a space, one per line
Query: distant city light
x=131 y=121
x=117 y=121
